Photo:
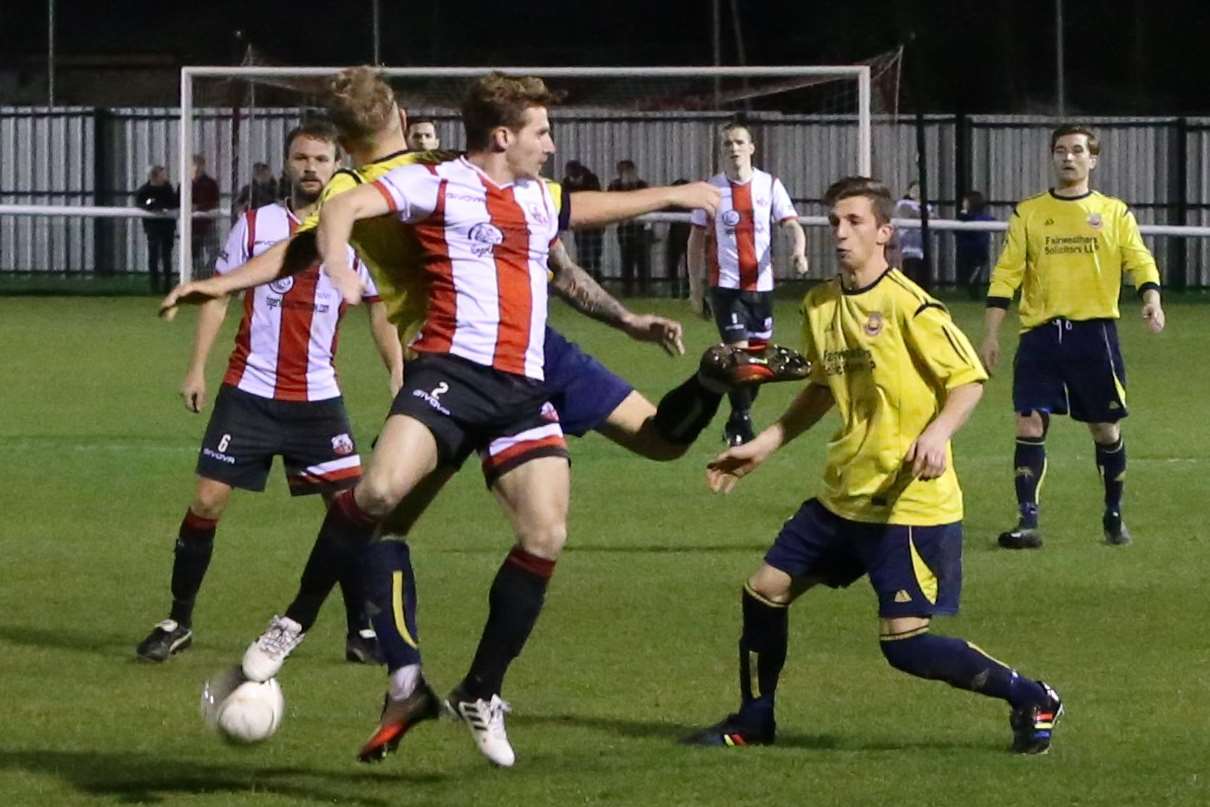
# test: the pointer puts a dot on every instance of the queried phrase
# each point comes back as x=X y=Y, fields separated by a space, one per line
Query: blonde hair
x=360 y=103
x=501 y=100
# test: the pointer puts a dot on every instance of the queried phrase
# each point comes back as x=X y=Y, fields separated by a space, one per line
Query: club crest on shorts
x=730 y=218
x=342 y=444
x=484 y=236
x=548 y=412
x=873 y=324
x=282 y=285
x=1094 y=221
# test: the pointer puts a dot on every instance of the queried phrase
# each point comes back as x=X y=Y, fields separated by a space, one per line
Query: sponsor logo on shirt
x=484 y=237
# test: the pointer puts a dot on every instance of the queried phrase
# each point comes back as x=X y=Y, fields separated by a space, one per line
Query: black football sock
x=1111 y=464
x=390 y=586
x=685 y=411
x=961 y=665
x=191 y=558
x=513 y=606
x=762 y=652
x=337 y=550
x=741 y=403
x=1029 y=468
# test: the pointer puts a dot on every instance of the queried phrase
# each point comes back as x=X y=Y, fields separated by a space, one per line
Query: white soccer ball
x=242 y=711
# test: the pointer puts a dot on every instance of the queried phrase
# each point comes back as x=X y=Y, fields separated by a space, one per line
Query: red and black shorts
x=471 y=407
x=246 y=431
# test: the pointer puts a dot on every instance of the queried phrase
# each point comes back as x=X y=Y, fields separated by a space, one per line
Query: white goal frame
x=860 y=73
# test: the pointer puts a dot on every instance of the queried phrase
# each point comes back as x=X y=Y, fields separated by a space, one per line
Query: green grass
x=637 y=642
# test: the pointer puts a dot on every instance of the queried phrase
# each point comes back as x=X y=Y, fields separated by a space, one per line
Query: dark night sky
x=1123 y=57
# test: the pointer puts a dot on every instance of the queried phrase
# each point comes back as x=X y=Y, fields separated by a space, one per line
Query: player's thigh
x=535 y=496
x=241 y=439
x=405 y=454
x=916 y=571
x=405 y=515
x=631 y=425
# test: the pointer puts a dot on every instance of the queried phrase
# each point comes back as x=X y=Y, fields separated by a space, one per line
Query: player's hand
x=927 y=454
x=735 y=463
x=695 y=196
x=800 y=264
x=1153 y=315
x=346 y=282
x=193 y=392
x=989 y=353
x=667 y=333
x=195 y=292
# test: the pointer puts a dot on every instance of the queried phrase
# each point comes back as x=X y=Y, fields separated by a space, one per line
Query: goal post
x=861 y=162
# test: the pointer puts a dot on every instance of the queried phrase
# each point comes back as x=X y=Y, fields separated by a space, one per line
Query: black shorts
x=743 y=315
x=470 y=407
x=1064 y=367
x=246 y=432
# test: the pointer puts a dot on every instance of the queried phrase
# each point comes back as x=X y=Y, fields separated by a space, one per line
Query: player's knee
x=377 y=497
x=772 y=585
x=210 y=501
x=1033 y=424
x=1105 y=434
x=544 y=539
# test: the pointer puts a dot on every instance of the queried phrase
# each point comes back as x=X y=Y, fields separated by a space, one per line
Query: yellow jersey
x=889 y=354
x=1067 y=256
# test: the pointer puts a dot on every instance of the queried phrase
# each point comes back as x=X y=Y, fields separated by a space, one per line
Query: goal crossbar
x=859 y=73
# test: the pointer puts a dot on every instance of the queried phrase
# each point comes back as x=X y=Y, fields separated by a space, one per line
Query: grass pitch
x=637 y=643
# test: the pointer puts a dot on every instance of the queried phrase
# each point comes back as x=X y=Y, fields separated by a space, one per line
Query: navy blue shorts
x=584 y=392
x=742 y=316
x=1065 y=367
x=915 y=571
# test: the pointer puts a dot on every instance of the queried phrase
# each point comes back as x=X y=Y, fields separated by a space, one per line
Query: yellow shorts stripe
x=924 y=575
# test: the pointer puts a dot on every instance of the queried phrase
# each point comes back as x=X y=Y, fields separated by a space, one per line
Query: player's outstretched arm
x=735 y=463
x=260 y=269
x=209 y=320
x=336 y=220
x=598 y=208
x=927 y=452
x=386 y=340
x=581 y=292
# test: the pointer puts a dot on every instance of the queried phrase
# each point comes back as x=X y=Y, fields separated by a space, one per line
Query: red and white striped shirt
x=485 y=250
x=739 y=244
x=287 y=337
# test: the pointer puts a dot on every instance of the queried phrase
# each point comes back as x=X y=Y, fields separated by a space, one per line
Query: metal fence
x=96 y=157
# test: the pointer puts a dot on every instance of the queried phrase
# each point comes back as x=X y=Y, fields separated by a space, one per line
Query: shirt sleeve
x=410 y=191
x=340 y=182
x=235 y=251
x=371 y=294
x=941 y=349
x=1137 y=260
x=1010 y=268
x=783 y=207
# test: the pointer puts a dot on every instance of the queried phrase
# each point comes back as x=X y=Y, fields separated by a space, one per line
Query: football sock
x=336 y=552
x=961 y=665
x=514 y=603
x=390 y=587
x=762 y=650
x=741 y=402
x=1111 y=463
x=403 y=681
x=685 y=411
x=191 y=558
x=1029 y=464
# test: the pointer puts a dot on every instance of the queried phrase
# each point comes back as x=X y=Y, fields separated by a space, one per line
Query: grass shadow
x=112 y=645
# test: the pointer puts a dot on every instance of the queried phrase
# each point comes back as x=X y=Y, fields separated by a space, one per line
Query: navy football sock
x=342 y=538
x=762 y=651
x=191 y=558
x=1029 y=464
x=514 y=603
x=1111 y=463
x=961 y=665
x=685 y=411
x=390 y=586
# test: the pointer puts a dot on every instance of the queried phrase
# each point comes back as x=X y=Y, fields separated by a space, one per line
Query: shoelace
x=496 y=710
x=277 y=639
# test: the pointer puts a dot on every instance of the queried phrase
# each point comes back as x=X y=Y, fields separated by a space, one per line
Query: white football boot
x=264 y=657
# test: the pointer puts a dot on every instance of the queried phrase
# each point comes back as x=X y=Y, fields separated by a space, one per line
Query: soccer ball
x=242 y=711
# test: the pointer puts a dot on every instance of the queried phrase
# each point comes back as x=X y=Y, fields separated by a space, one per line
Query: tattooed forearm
x=583 y=293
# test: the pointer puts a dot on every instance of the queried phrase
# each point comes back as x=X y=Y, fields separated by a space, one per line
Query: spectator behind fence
x=261 y=191
x=972 y=248
x=911 y=239
x=675 y=248
x=634 y=237
x=155 y=196
x=589 y=243
x=204 y=241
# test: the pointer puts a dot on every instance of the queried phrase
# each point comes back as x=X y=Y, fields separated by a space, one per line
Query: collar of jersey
x=385 y=157
x=866 y=287
x=483 y=174
x=1084 y=195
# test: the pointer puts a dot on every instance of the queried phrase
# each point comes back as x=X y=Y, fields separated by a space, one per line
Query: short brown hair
x=878 y=194
x=1094 y=145
x=360 y=102
x=728 y=128
x=497 y=100
x=316 y=129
